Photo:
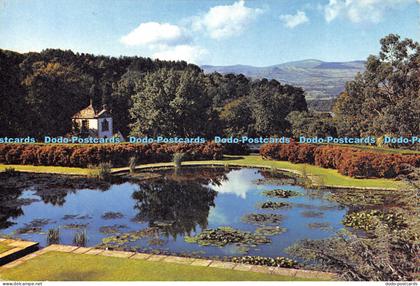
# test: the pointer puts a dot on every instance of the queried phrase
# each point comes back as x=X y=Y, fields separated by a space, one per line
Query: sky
x=248 y=32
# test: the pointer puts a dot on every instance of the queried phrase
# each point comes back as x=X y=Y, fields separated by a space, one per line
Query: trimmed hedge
x=117 y=154
x=348 y=161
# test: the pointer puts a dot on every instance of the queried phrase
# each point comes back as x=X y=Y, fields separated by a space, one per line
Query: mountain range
x=321 y=80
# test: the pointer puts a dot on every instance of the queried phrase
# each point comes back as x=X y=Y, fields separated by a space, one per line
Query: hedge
x=117 y=154
x=348 y=161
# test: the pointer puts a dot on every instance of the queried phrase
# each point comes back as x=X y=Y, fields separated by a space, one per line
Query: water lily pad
x=35 y=226
x=369 y=220
x=226 y=235
x=273 y=205
x=279 y=193
x=266 y=261
x=117 y=228
x=270 y=230
x=263 y=219
x=75 y=225
x=122 y=240
x=112 y=215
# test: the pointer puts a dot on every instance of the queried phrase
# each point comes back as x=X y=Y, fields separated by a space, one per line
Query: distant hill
x=321 y=80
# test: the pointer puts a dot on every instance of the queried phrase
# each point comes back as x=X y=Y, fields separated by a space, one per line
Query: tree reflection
x=54 y=197
x=177 y=206
x=10 y=206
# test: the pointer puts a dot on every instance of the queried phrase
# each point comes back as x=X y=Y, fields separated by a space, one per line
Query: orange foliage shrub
x=118 y=154
x=348 y=161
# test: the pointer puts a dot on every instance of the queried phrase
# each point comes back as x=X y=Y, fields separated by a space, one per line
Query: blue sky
x=261 y=33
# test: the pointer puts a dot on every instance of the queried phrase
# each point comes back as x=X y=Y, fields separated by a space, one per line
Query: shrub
x=118 y=154
x=348 y=161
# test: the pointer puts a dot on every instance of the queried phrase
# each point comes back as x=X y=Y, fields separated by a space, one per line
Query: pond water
x=175 y=205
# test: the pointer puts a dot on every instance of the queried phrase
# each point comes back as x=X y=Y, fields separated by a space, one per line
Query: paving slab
x=201 y=262
x=243 y=267
x=51 y=247
x=156 y=257
x=179 y=260
x=22 y=244
x=143 y=256
x=262 y=269
x=313 y=274
x=120 y=254
x=67 y=248
x=284 y=271
x=94 y=251
x=81 y=250
x=221 y=264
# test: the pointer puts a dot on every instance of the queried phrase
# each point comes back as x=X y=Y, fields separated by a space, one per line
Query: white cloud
x=226 y=20
x=292 y=21
x=175 y=42
x=153 y=33
x=361 y=10
x=189 y=53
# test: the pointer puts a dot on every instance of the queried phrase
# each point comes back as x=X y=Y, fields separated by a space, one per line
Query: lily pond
x=207 y=212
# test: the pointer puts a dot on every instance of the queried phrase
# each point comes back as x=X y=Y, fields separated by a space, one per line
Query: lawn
x=47 y=169
x=59 y=266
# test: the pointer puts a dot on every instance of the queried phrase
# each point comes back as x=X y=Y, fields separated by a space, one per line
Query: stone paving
x=179 y=260
x=18 y=248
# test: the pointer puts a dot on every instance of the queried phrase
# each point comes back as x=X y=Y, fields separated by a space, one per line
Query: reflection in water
x=10 y=206
x=236 y=183
x=54 y=197
x=180 y=206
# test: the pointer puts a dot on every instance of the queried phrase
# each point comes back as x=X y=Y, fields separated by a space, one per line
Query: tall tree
x=13 y=109
x=54 y=94
x=271 y=103
x=171 y=103
x=385 y=99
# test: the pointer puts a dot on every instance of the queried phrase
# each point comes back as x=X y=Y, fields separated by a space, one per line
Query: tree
x=310 y=124
x=237 y=117
x=171 y=103
x=385 y=99
x=13 y=109
x=271 y=103
x=54 y=94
